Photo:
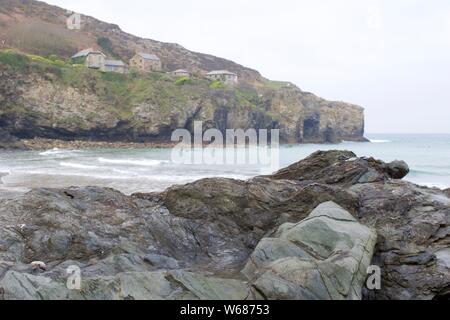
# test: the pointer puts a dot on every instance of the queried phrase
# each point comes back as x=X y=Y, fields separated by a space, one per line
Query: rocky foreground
x=309 y=231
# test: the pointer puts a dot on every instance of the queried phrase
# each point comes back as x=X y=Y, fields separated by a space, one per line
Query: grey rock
x=412 y=223
x=215 y=228
x=333 y=252
x=447 y=192
x=10 y=142
x=159 y=285
x=22 y=286
x=335 y=168
x=397 y=169
x=162 y=262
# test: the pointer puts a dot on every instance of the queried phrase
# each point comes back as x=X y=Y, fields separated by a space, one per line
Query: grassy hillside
x=38 y=28
x=56 y=97
x=119 y=95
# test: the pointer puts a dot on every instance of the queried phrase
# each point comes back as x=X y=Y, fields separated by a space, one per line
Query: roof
x=115 y=63
x=86 y=52
x=221 y=72
x=148 y=56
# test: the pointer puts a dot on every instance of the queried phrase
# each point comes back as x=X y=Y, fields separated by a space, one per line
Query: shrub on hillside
x=182 y=81
x=14 y=59
x=217 y=85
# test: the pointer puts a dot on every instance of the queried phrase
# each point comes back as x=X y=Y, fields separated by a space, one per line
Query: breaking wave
x=380 y=141
x=144 y=163
x=76 y=165
x=52 y=152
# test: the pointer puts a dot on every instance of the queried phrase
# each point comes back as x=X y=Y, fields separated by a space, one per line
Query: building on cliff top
x=146 y=62
x=94 y=59
x=115 y=66
x=181 y=73
x=224 y=76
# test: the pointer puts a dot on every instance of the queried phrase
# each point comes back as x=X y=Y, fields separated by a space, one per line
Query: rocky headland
x=45 y=94
x=309 y=231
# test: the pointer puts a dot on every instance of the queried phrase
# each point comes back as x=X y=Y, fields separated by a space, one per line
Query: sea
x=151 y=170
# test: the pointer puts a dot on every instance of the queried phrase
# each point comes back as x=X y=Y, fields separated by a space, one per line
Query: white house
x=146 y=62
x=94 y=59
x=181 y=73
x=224 y=76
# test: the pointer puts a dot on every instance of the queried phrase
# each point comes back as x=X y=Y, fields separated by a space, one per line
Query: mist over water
x=147 y=170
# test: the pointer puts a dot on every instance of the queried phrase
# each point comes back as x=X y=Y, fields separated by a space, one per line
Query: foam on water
x=435 y=185
x=147 y=170
x=56 y=151
x=145 y=163
x=77 y=166
x=2 y=175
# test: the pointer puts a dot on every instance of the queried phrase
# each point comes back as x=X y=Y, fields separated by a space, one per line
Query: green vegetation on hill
x=107 y=46
x=14 y=60
x=183 y=80
x=123 y=91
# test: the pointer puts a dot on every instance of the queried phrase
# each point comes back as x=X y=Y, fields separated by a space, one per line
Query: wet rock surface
x=324 y=257
x=447 y=191
x=230 y=239
x=342 y=168
x=9 y=142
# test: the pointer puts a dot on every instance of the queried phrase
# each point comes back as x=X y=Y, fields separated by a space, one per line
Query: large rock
x=325 y=256
x=159 y=285
x=413 y=225
x=23 y=286
x=210 y=229
x=397 y=169
x=258 y=205
x=342 y=168
x=90 y=224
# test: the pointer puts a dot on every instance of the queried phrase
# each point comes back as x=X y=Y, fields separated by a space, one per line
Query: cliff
x=42 y=94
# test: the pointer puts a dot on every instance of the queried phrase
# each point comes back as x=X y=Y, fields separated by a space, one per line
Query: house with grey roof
x=224 y=76
x=146 y=62
x=92 y=58
x=115 y=66
x=181 y=73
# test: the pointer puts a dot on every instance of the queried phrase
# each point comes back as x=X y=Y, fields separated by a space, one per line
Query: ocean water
x=150 y=170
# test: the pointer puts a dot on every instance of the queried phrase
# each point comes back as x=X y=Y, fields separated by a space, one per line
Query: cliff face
x=51 y=98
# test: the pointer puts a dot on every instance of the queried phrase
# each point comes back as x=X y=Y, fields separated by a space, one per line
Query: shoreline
x=48 y=144
x=41 y=144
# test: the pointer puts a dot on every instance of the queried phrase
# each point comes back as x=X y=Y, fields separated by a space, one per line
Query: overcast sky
x=391 y=57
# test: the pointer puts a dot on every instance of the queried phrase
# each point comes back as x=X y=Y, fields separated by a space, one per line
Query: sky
x=391 y=57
